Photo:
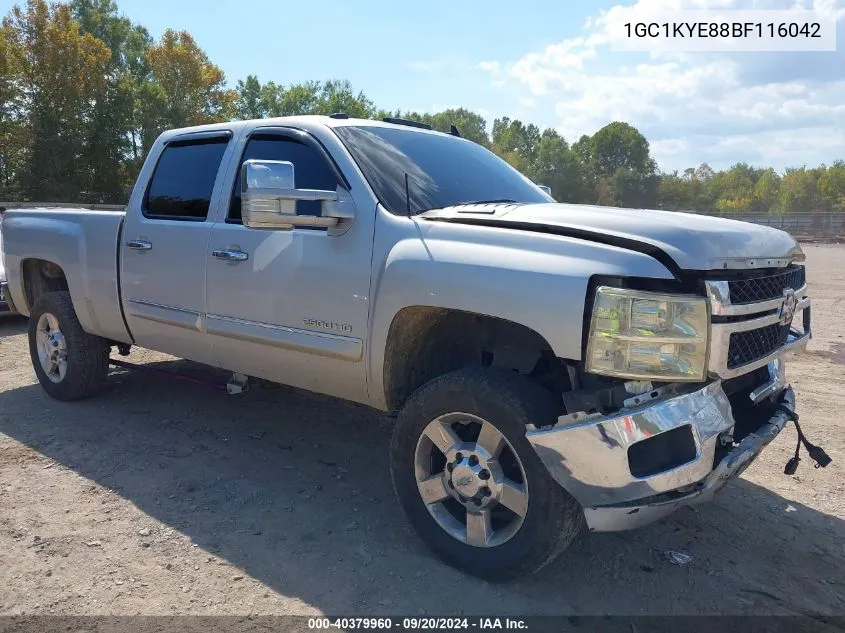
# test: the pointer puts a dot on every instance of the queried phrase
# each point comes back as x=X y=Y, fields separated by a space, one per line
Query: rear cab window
x=183 y=180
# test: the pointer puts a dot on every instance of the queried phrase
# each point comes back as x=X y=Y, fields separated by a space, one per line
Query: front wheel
x=69 y=363
x=469 y=481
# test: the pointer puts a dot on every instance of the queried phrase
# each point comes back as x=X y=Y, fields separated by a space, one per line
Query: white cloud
x=769 y=108
x=497 y=79
x=490 y=67
x=425 y=66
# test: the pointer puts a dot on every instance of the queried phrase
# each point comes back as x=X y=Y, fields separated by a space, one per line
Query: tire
x=86 y=356
x=508 y=401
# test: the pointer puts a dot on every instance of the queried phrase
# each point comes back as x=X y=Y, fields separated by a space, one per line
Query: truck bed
x=84 y=244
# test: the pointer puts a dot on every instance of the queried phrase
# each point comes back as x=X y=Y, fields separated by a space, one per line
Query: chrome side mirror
x=269 y=196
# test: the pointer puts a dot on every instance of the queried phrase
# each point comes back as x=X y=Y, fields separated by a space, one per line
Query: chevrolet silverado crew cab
x=551 y=366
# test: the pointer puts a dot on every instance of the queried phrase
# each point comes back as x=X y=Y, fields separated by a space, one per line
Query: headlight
x=646 y=335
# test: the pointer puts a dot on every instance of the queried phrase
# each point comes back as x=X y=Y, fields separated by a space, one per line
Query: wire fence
x=810 y=225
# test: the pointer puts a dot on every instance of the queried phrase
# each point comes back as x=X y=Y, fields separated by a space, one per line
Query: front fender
x=539 y=281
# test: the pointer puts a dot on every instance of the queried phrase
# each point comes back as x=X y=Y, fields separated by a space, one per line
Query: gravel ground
x=165 y=497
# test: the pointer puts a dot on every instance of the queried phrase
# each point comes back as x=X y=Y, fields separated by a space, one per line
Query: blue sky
x=543 y=61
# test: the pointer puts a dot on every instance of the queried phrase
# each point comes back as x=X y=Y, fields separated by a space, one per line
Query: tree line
x=84 y=92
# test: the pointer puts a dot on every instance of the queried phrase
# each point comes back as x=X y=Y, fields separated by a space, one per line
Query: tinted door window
x=310 y=169
x=181 y=186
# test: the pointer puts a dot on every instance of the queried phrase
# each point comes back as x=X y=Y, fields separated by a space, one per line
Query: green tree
x=516 y=142
x=620 y=146
x=12 y=115
x=632 y=189
x=766 y=191
x=337 y=95
x=256 y=101
x=250 y=102
x=798 y=191
x=301 y=98
x=557 y=166
x=674 y=191
x=84 y=92
x=618 y=166
x=703 y=172
x=110 y=165
x=733 y=189
x=61 y=73
x=594 y=191
x=831 y=186
x=470 y=125
x=184 y=88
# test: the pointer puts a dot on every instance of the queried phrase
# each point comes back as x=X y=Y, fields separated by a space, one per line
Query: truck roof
x=307 y=120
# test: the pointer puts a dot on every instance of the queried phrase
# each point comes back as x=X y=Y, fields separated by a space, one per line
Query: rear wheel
x=469 y=481
x=69 y=363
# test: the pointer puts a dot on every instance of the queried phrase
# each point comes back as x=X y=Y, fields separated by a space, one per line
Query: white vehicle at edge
x=552 y=366
x=4 y=305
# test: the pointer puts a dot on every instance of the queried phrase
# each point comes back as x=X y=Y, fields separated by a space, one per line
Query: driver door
x=291 y=305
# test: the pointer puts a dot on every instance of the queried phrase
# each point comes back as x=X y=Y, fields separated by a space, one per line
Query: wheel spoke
x=432 y=490
x=443 y=436
x=61 y=369
x=514 y=497
x=479 y=528
x=51 y=347
x=490 y=440
x=462 y=493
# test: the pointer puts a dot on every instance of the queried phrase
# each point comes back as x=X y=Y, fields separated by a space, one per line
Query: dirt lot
x=164 y=497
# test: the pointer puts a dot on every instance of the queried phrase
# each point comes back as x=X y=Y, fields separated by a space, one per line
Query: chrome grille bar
x=747 y=336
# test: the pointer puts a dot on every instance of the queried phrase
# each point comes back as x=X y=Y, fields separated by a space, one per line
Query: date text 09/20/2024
x=417 y=623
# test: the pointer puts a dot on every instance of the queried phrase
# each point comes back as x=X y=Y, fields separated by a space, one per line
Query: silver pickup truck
x=551 y=367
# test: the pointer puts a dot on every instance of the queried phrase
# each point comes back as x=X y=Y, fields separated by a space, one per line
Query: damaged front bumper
x=623 y=482
x=5 y=299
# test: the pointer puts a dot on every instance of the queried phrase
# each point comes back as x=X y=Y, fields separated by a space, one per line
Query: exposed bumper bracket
x=776 y=382
x=6 y=298
x=640 y=512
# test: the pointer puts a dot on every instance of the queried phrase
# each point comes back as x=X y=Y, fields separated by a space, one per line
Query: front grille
x=765 y=287
x=746 y=347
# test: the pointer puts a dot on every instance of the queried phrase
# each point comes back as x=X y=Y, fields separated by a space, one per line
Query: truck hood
x=679 y=240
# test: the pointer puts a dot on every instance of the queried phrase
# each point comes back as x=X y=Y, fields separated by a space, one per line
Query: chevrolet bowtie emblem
x=787 y=308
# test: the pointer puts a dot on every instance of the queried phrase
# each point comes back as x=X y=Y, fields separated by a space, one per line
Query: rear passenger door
x=164 y=244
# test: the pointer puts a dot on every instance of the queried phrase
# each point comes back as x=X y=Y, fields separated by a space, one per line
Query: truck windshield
x=442 y=170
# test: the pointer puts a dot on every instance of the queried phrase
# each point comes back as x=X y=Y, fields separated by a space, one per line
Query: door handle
x=230 y=256
x=139 y=245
